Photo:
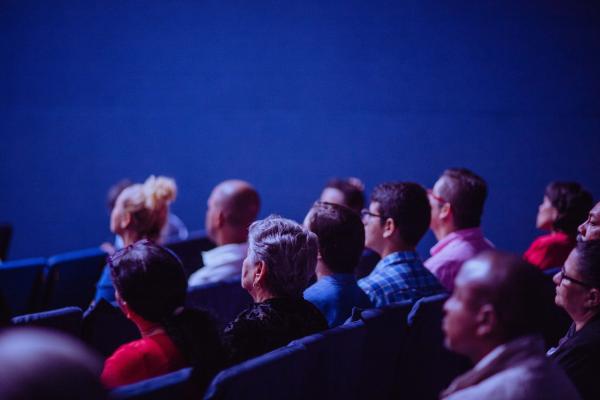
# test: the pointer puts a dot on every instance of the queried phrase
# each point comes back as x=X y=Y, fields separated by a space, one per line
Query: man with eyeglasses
x=457 y=201
x=397 y=218
x=578 y=292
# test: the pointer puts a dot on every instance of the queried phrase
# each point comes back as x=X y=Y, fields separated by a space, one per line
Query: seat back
x=190 y=250
x=426 y=366
x=175 y=385
x=72 y=277
x=387 y=331
x=21 y=284
x=279 y=374
x=224 y=299
x=67 y=320
x=334 y=361
x=5 y=236
x=105 y=328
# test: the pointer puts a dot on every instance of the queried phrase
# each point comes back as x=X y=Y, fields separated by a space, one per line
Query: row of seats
x=396 y=351
x=69 y=279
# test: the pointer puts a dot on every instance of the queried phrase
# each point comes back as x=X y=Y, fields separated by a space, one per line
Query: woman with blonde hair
x=140 y=212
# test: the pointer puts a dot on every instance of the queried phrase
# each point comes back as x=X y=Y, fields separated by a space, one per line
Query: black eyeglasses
x=563 y=275
x=364 y=213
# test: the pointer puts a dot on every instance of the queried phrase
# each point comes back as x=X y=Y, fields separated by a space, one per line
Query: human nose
x=581 y=228
x=557 y=278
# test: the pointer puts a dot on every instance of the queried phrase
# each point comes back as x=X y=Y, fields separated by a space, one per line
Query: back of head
x=589 y=261
x=150 y=279
x=516 y=290
x=240 y=202
x=41 y=364
x=148 y=205
x=407 y=204
x=353 y=192
x=341 y=235
x=572 y=202
x=466 y=192
x=288 y=250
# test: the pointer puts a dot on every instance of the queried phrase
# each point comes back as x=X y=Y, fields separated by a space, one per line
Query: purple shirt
x=449 y=254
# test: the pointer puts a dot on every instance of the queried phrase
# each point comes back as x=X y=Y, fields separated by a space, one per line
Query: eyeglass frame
x=563 y=275
x=437 y=198
x=365 y=212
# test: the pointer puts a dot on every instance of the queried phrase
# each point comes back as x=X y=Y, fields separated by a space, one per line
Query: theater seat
x=426 y=366
x=67 y=320
x=224 y=299
x=175 y=385
x=21 y=284
x=279 y=374
x=190 y=250
x=5 y=236
x=72 y=277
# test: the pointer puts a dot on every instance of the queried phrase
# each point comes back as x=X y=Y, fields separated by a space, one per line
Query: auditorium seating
x=175 y=385
x=224 y=299
x=71 y=278
x=190 y=250
x=67 y=319
x=21 y=284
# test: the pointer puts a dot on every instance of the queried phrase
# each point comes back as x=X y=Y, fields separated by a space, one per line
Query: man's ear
x=125 y=220
x=389 y=227
x=445 y=211
x=593 y=299
x=487 y=320
x=260 y=273
x=221 y=218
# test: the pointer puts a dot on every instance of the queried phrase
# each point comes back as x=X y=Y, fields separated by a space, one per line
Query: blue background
x=286 y=95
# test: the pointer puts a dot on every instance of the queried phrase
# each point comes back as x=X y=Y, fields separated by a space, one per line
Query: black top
x=271 y=324
x=578 y=353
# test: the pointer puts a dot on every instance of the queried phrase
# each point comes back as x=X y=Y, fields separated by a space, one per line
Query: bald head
x=233 y=205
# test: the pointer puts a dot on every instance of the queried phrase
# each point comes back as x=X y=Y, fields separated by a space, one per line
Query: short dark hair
x=354 y=194
x=573 y=204
x=341 y=235
x=407 y=204
x=588 y=261
x=466 y=192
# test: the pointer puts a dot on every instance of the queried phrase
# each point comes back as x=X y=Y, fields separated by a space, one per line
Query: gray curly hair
x=288 y=250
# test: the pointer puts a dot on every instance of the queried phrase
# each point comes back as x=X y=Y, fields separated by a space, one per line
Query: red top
x=142 y=359
x=550 y=250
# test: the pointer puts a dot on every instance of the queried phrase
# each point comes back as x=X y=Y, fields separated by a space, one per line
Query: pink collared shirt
x=449 y=254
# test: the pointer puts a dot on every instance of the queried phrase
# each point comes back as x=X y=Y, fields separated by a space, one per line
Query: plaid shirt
x=400 y=276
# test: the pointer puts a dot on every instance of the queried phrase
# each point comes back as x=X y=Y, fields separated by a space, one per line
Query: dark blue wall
x=285 y=95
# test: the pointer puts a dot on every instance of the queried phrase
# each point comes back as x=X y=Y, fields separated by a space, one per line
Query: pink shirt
x=449 y=254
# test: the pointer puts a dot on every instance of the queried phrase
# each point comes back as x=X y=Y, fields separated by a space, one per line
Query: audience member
x=140 y=212
x=397 y=218
x=350 y=192
x=578 y=292
x=281 y=257
x=493 y=318
x=232 y=206
x=590 y=229
x=457 y=200
x=565 y=207
x=38 y=364
x=150 y=288
x=341 y=237
x=173 y=230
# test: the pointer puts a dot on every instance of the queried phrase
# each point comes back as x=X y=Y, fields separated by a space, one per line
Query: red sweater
x=142 y=359
x=550 y=250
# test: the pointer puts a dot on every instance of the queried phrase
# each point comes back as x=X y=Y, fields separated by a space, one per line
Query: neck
x=584 y=318
x=260 y=295
x=443 y=231
x=129 y=238
x=148 y=328
x=229 y=235
x=482 y=351
x=390 y=248
x=322 y=270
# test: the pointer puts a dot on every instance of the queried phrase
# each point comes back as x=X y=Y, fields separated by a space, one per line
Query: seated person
x=341 y=239
x=281 y=258
x=150 y=287
x=565 y=206
x=578 y=292
x=457 y=201
x=590 y=229
x=140 y=212
x=39 y=364
x=397 y=218
x=350 y=192
x=232 y=206
x=494 y=318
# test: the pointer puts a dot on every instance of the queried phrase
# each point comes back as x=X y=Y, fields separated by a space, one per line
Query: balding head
x=232 y=206
x=497 y=298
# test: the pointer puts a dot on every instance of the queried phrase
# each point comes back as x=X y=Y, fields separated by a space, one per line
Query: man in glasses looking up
x=457 y=201
x=397 y=219
x=578 y=292
x=590 y=229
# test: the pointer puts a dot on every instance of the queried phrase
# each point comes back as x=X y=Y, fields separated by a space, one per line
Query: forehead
x=374 y=206
x=595 y=212
x=571 y=263
x=332 y=195
x=438 y=184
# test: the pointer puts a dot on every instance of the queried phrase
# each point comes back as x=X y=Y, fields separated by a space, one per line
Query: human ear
x=445 y=210
x=388 y=227
x=125 y=220
x=260 y=273
x=593 y=299
x=486 y=320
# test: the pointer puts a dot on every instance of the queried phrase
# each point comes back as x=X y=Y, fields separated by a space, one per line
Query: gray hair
x=288 y=250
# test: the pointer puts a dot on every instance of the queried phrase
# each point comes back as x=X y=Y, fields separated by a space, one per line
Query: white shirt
x=221 y=263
